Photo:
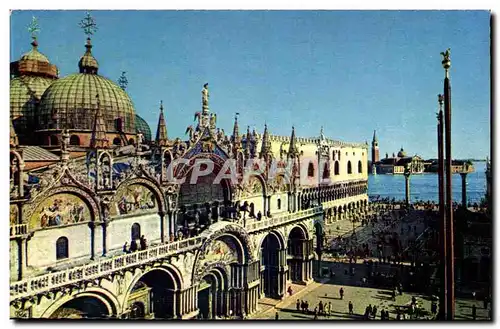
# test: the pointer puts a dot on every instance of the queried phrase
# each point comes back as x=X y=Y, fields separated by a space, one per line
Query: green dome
x=35 y=55
x=73 y=98
x=142 y=126
x=25 y=93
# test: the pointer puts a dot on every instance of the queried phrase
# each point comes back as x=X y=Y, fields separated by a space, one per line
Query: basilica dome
x=142 y=126
x=71 y=102
x=31 y=75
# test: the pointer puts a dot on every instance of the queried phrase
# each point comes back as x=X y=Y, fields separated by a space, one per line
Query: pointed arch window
x=337 y=168
x=310 y=170
x=349 y=167
x=62 y=248
x=279 y=203
x=326 y=171
x=360 y=167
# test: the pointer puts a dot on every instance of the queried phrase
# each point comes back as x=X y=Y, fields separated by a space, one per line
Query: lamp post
x=449 y=205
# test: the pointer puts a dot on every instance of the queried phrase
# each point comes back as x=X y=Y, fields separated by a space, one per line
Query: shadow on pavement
x=383 y=297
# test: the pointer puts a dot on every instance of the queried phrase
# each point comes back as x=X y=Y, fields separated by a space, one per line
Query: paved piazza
x=360 y=297
x=355 y=290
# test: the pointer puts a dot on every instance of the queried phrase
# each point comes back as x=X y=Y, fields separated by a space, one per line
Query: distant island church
x=395 y=164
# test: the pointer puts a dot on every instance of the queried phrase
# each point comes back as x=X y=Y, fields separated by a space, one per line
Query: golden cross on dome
x=88 y=25
x=33 y=27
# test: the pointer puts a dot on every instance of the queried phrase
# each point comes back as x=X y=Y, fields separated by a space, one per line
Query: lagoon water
x=425 y=186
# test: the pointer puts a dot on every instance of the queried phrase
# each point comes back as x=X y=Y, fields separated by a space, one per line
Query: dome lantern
x=88 y=64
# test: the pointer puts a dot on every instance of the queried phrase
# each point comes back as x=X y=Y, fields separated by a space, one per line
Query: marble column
x=105 y=238
x=464 y=189
x=178 y=303
x=174 y=303
x=21 y=247
x=407 y=174
x=227 y=302
x=173 y=221
x=92 y=240
x=162 y=228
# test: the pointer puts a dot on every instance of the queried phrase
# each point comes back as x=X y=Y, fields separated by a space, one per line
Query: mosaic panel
x=134 y=199
x=60 y=210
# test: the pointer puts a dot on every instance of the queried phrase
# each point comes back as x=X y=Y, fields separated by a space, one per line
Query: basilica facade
x=106 y=222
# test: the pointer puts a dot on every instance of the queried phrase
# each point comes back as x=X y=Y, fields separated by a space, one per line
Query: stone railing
x=18 y=229
x=271 y=222
x=102 y=267
x=346 y=200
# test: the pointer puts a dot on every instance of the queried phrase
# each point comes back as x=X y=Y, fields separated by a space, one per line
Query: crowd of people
x=382 y=222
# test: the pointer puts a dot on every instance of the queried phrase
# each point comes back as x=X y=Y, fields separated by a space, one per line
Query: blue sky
x=351 y=72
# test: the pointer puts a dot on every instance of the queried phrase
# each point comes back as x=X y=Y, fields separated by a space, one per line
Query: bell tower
x=375 y=150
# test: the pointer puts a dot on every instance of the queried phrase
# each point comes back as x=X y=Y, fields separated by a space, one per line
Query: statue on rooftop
x=205 y=96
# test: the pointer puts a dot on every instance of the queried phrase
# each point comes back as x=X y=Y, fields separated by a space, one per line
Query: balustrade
x=283 y=219
x=105 y=266
x=18 y=229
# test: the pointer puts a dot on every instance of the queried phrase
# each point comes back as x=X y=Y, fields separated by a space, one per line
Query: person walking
x=320 y=307
x=298 y=305
x=367 y=313
x=276 y=316
x=329 y=309
x=351 y=308
x=474 y=314
x=341 y=292
x=315 y=313
x=374 y=311
x=133 y=246
x=434 y=308
x=143 y=243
